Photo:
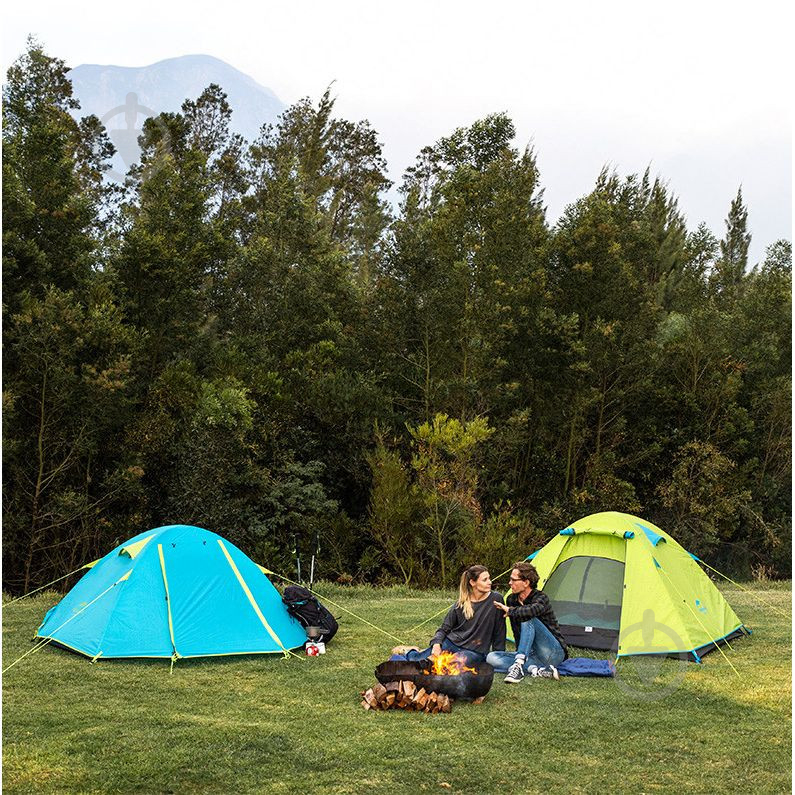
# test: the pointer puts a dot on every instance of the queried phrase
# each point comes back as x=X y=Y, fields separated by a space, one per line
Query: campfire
x=449 y=664
x=428 y=686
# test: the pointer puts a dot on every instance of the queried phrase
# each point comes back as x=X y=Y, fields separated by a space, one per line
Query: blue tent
x=172 y=592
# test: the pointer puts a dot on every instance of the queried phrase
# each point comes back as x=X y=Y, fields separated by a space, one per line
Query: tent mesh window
x=586 y=595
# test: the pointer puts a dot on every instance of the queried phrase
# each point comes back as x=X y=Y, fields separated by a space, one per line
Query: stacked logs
x=405 y=695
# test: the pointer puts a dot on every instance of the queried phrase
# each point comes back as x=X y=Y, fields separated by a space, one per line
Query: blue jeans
x=539 y=646
x=471 y=656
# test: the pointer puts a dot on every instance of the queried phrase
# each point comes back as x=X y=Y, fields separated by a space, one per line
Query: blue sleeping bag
x=584 y=666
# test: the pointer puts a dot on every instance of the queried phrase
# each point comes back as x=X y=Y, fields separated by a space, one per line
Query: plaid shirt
x=536 y=606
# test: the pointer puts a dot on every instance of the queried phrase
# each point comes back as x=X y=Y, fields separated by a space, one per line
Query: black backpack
x=304 y=607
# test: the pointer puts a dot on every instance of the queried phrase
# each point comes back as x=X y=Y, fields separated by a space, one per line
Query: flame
x=450 y=664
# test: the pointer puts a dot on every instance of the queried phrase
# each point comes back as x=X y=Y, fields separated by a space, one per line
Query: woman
x=472 y=627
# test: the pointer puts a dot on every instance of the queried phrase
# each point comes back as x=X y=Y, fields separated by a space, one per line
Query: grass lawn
x=255 y=724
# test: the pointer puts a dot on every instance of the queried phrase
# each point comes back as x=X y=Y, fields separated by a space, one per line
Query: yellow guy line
x=438 y=613
x=325 y=598
x=35 y=590
x=423 y=623
x=47 y=640
x=737 y=584
x=714 y=642
x=251 y=599
x=503 y=574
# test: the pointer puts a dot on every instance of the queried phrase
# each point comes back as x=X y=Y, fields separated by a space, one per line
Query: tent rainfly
x=175 y=591
x=617 y=582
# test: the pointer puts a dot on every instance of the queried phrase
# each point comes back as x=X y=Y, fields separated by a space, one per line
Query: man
x=539 y=643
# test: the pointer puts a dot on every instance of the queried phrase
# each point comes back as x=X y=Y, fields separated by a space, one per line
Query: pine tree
x=730 y=269
x=52 y=177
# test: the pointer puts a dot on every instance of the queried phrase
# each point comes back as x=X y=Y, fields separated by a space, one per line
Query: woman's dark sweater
x=484 y=632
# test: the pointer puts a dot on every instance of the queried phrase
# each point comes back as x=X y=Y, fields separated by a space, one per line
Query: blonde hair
x=465 y=589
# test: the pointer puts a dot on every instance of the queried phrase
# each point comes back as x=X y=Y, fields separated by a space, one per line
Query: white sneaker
x=550 y=672
x=532 y=670
x=515 y=673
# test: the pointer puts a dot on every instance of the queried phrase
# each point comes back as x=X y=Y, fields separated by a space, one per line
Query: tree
x=444 y=463
x=65 y=407
x=618 y=258
x=466 y=270
x=731 y=266
x=395 y=513
x=173 y=253
x=701 y=496
x=67 y=478
x=52 y=181
x=215 y=342
x=294 y=303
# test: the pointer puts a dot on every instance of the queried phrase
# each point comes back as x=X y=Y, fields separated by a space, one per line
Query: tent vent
x=132 y=550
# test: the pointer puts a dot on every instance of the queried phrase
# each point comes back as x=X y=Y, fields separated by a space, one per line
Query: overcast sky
x=697 y=91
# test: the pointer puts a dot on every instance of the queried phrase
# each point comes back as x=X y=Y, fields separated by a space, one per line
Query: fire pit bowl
x=397 y=671
x=466 y=686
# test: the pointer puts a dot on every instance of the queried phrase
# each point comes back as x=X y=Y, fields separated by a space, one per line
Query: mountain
x=124 y=96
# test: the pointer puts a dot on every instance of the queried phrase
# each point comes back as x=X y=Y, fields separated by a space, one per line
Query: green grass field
x=266 y=724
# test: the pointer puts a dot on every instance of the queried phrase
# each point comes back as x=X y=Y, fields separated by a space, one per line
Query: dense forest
x=250 y=338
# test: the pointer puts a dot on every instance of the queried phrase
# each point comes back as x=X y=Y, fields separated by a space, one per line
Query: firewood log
x=405 y=695
x=379 y=691
x=420 y=697
x=403 y=699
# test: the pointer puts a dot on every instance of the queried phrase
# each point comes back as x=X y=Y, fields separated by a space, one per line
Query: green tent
x=618 y=582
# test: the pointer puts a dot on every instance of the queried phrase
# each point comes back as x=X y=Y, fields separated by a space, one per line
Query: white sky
x=700 y=91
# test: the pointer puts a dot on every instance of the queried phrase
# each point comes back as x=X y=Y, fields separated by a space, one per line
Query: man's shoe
x=550 y=672
x=404 y=650
x=515 y=673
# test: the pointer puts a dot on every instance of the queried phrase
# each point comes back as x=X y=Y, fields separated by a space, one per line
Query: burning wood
x=449 y=664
